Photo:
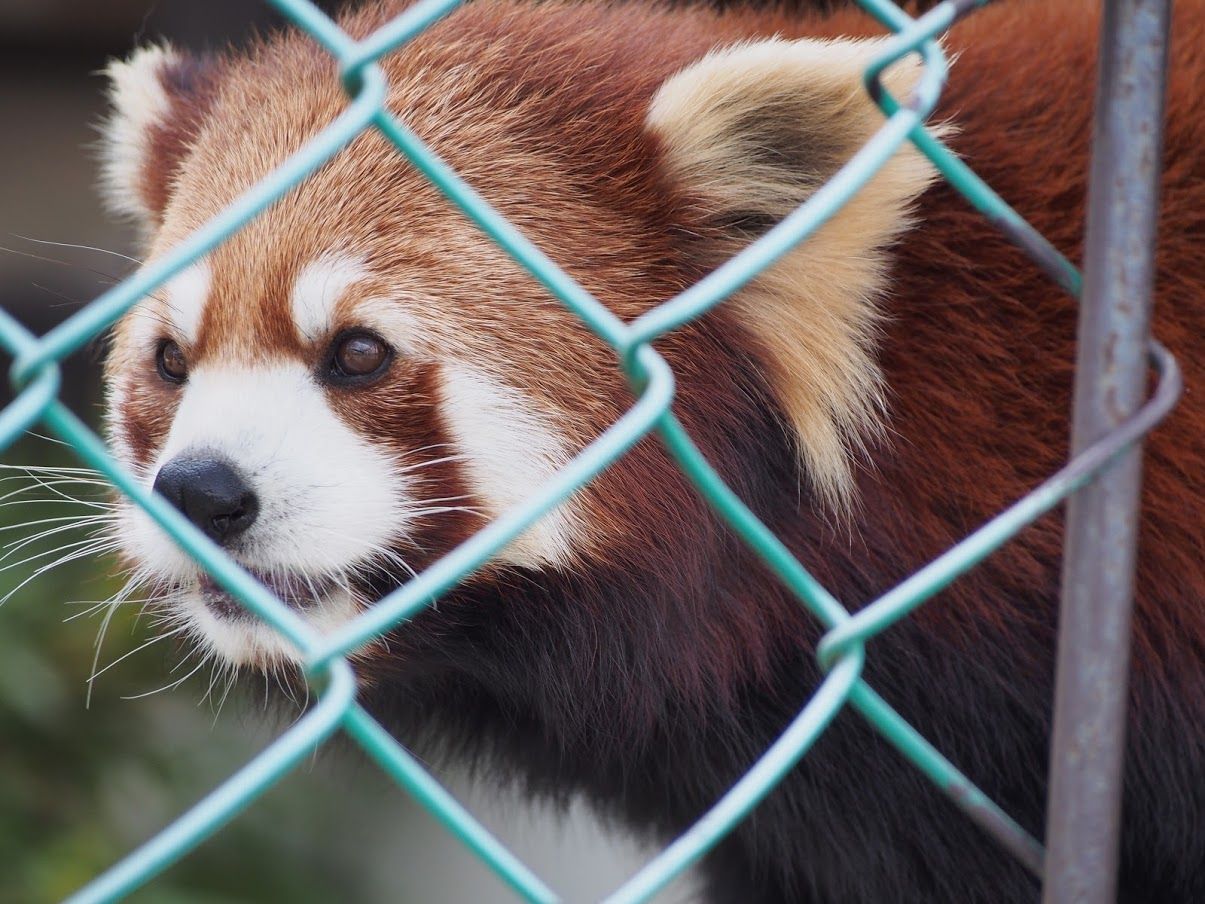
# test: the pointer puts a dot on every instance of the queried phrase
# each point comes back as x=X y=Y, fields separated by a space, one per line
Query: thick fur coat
x=888 y=387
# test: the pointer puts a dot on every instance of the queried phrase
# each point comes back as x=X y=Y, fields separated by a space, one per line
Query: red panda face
x=359 y=379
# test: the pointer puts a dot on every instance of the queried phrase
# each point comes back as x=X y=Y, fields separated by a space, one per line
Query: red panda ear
x=750 y=132
x=159 y=97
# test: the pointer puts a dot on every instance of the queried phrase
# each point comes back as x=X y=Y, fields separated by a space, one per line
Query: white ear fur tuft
x=140 y=103
x=752 y=131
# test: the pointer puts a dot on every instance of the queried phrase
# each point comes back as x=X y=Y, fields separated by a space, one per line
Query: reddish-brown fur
x=978 y=355
x=187 y=79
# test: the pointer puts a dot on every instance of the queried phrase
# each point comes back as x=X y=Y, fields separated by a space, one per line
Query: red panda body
x=891 y=385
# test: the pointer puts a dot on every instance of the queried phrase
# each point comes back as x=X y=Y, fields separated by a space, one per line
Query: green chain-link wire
x=841 y=652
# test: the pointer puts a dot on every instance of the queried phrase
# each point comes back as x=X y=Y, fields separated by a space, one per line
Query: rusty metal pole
x=1084 y=805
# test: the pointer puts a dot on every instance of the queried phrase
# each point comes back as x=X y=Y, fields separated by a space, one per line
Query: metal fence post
x=1102 y=522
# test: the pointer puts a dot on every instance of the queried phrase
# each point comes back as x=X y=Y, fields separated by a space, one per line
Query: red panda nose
x=211 y=494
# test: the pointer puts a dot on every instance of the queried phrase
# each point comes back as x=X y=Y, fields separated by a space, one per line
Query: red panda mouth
x=295 y=590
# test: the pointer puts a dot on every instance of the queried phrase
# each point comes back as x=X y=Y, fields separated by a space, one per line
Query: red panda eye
x=359 y=355
x=171 y=363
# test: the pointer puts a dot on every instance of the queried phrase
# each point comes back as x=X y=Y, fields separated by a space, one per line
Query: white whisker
x=231 y=675
x=78 y=520
x=215 y=673
x=100 y=541
x=96 y=530
x=124 y=656
x=100 y=639
x=418 y=466
x=444 y=509
x=70 y=557
x=43 y=436
x=118 y=254
x=169 y=687
x=105 y=506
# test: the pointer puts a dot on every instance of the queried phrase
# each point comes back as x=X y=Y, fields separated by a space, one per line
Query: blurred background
x=85 y=776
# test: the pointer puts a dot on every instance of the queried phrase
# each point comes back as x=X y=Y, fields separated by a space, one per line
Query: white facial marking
x=318 y=289
x=509 y=450
x=394 y=323
x=140 y=103
x=184 y=296
x=251 y=641
x=329 y=500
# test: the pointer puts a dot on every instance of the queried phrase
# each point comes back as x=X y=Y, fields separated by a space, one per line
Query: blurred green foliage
x=80 y=786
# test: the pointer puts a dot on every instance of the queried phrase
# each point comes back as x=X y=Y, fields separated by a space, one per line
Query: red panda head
x=359 y=379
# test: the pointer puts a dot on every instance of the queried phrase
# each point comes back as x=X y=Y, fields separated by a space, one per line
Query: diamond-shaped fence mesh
x=842 y=652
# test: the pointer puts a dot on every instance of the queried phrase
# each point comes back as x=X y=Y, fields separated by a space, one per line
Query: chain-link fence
x=842 y=652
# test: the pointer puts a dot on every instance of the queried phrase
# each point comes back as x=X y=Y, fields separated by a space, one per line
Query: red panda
x=359 y=379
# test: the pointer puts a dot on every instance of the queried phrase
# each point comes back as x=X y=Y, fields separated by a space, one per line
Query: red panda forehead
x=541 y=116
x=544 y=121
